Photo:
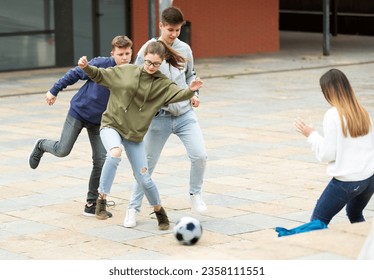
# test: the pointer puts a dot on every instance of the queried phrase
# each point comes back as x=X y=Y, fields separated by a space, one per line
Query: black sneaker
x=36 y=154
x=162 y=218
x=89 y=211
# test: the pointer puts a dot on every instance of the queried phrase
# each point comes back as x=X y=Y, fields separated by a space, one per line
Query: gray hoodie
x=181 y=77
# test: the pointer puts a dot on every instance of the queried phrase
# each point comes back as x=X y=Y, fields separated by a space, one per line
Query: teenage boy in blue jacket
x=86 y=108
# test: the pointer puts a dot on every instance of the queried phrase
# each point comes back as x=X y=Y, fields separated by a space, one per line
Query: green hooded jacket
x=135 y=97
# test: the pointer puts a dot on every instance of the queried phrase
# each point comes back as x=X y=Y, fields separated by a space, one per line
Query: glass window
x=112 y=23
x=82 y=25
x=26 y=34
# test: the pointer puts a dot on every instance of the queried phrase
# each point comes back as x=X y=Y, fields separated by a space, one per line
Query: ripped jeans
x=138 y=160
x=187 y=128
x=354 y=195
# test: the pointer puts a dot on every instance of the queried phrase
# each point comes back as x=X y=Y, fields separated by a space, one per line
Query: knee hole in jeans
x=116 y=152
x=143 y=170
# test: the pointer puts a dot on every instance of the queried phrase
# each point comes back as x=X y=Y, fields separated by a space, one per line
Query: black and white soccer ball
x=188 y=230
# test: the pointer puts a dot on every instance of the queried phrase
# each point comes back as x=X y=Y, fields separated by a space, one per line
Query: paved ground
x=261 y=173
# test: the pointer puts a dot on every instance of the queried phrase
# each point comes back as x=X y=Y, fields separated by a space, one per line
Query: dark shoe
x=162 y=218
x=89 y=211
x=100 y=211
x=36 y=154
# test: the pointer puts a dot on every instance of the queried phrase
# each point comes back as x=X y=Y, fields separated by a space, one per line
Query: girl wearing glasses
x=136 y=95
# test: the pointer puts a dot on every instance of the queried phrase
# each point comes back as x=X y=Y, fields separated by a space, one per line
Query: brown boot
x=162 y=218
x=100 y=211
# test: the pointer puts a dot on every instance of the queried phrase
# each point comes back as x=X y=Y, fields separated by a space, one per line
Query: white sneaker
x=130 y=219
x=197 y=202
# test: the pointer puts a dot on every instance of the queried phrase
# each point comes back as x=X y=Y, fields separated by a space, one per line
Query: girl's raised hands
x=302 y=127
x=196 y=84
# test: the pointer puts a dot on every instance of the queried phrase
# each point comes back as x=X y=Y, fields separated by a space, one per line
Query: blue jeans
x=136 y=154
x=187 y=128
x=70 y=132
x=354 y=195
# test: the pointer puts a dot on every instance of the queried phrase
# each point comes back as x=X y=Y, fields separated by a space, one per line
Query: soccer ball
x=188 y=230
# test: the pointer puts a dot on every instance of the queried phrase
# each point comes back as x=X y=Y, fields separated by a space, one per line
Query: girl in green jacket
x=136 y=95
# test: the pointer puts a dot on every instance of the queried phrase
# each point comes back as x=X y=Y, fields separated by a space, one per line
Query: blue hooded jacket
x=91 y=100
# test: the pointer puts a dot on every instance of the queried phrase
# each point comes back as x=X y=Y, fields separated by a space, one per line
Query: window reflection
x=26 y=34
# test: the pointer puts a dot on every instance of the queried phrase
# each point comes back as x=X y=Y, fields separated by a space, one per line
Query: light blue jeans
x=187 y=128
x=137 y=157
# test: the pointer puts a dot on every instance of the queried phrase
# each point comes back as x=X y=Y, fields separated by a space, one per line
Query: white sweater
x=349 y=159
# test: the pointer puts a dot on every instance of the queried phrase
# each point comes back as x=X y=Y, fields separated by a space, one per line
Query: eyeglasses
x=149 y=63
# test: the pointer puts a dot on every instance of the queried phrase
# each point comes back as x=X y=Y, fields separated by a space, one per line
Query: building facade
x=55 y=33
x=220 y=27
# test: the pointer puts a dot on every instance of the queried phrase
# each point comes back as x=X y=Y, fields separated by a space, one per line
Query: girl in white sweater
x=348 y=148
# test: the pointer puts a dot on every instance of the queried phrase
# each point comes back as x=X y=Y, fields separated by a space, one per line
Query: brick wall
x=219 y=27
x=139 y=23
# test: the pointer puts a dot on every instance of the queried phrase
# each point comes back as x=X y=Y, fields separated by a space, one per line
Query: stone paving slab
x=260 y=174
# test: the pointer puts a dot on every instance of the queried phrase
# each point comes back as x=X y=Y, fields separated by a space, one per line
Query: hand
x=50 y=98
x=195 y=101
x=196 y=84
x=303 y=128
x=83 y=62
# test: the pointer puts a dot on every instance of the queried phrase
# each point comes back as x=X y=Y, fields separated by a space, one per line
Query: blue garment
x=91 y=100
x=353 y=195
x=313 y=225
x=187 y=128
x=136 y=155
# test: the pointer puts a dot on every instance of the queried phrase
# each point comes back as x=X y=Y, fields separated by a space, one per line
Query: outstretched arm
x=176 y=94
x=101 y=76
x=71 y=77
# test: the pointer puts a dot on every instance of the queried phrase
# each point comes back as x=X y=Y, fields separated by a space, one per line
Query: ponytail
x=166 y=53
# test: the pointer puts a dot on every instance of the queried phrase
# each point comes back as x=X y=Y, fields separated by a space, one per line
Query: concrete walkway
x=261 y=173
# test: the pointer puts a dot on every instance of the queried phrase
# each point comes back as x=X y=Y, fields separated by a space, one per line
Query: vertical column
x=63 y=10
x=334 y=9
x=151 y=19
x=96 y=27
x=326 y=27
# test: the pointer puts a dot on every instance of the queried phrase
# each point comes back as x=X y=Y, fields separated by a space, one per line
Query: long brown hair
x=337 y=90
x=165 y=52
